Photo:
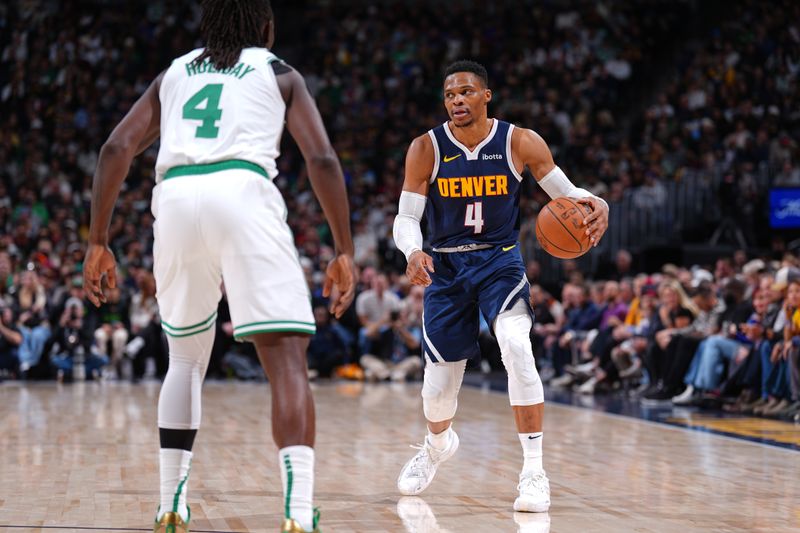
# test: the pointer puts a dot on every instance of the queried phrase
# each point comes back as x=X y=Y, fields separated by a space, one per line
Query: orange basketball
x=560 y=229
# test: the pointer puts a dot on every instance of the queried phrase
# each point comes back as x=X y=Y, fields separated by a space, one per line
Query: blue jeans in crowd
x=711 y=357
x=94 y=361
x=775 y=378
x=32 y=347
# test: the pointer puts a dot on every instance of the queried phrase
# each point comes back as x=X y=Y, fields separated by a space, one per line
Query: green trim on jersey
x=177 y=336
x=194 y=329
x=201 y=323
x=208 y=168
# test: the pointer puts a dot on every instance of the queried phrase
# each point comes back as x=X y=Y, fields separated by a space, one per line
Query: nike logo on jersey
x=505 y=249
x=471 y=186
x=448 y=159
x=486 y=157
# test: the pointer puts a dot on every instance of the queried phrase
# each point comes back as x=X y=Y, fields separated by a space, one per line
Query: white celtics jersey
x=211 y=116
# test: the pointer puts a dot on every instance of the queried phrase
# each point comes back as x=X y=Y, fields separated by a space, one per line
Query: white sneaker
x=534 y=493
x=585 y=369
x=418 y=473
x=685 y=397
x=564 y=380
x=589 y=386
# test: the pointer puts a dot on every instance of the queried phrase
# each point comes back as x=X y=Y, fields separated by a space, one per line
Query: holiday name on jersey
x=240 y=70
x=470 y=186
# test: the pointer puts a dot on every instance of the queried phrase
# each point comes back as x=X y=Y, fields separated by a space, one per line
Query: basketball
x=560 y=229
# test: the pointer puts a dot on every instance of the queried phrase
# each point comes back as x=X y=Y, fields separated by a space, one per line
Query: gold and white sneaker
x=418 y=472
x=534 y=493
x=172 y=523
x=290 y=525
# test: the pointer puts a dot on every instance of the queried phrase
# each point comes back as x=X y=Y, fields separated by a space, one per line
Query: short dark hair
x=230 y=25
x=466 y=65
x=704 y=290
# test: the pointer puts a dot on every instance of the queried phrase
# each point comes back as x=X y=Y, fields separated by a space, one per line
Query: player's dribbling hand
x=99 y=262
x=340 y=283
x=419 y=264
x=596 y=223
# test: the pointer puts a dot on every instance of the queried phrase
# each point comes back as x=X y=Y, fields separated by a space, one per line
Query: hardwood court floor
x=85 y=456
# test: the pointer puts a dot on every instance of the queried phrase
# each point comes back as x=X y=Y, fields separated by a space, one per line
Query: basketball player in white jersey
x=220 y=112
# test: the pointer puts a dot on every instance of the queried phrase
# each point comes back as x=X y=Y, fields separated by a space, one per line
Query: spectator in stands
x=148 y=339
x=30 y=307
x=10 y=340
x=326 y=349
x=675 y=311
x=377 y=308
x=682 y=343
x=783 y=360
x=403 y=359
x=634 y=337
x=746 y=378
x=719 y=347
x=582 y=317
x=598 y=348
x=772 y=376
x=72 y=344
x=110 y=324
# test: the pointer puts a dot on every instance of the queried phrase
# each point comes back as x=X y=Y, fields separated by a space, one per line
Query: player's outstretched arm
x=306 y=127
x=137 y=130
x=407 y=233
x=530 y=151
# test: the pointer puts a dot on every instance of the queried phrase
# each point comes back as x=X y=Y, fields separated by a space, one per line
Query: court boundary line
x=677 y=427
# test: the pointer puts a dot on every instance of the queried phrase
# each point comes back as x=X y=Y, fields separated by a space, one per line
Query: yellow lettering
x=478 y=185
x=454 y=190
x=502 y=184
x=466 y=186
x=444 y=190
x=490 y=186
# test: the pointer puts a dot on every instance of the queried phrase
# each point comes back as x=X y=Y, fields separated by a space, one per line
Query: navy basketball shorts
x=488 y=281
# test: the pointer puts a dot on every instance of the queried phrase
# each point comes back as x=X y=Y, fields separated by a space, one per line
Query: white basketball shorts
x=230 y=226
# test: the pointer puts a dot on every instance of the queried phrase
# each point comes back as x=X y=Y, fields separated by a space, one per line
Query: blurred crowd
x=727 y=337
x=727 y=102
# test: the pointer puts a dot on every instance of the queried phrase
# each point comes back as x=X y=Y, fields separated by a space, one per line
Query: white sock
x=297 y=475
x=440 y=441
x=174 y=466
x=531 y=452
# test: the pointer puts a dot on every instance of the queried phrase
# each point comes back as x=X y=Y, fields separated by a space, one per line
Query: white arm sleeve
x=407 y=233
x=557 y=184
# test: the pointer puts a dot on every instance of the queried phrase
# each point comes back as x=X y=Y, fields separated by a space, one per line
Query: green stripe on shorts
x=274 y=326
x=208 y=168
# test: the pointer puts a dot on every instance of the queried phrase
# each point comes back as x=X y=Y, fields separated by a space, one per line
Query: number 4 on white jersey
x=474 y=216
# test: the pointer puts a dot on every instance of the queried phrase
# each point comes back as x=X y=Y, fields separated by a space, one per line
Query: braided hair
x=230 y=25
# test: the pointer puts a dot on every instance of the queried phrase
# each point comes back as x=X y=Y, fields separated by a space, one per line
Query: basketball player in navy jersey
x=467 y=173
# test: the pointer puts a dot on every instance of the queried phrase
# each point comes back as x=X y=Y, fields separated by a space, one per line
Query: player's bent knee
x=195 y=347
x=440 y=390
x=513 y=335
x=439 y=407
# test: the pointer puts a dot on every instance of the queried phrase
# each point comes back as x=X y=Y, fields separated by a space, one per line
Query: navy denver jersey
x=474 y=195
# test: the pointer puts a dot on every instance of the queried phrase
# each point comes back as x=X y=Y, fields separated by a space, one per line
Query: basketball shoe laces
x=534 y=484
x=426 y=458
